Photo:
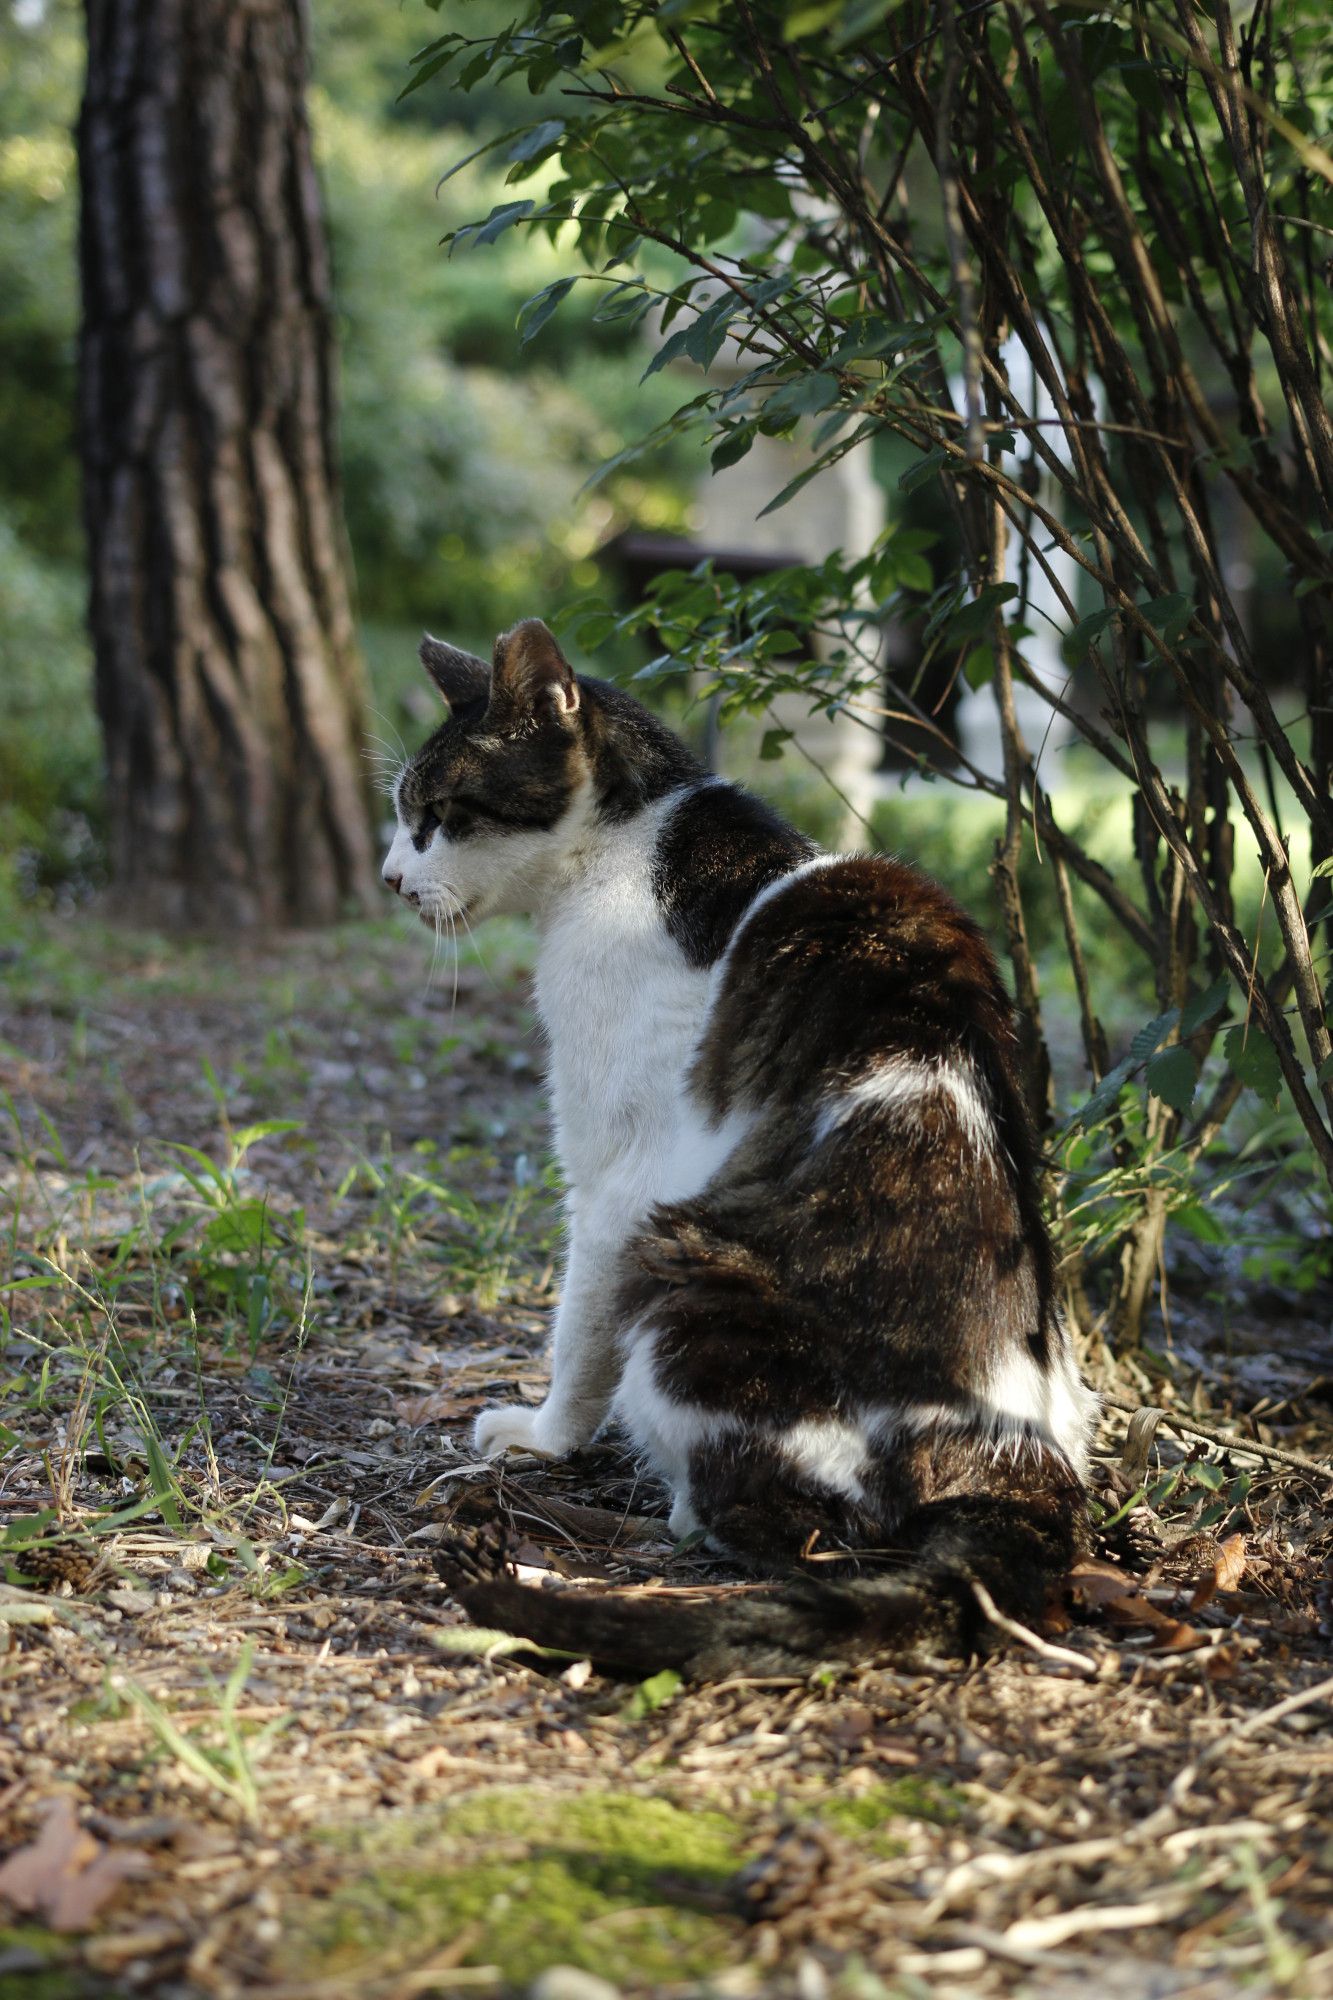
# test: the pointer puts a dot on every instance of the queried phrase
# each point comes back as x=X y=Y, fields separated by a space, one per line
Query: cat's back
x=846 y=964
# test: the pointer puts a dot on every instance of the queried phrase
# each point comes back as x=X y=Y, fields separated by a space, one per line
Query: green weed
x=478 y=1241
x=227 y=1765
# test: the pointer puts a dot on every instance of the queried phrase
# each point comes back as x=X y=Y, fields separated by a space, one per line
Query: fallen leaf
x=1097 y=1583
x=1138 y=1443
x=434 y=1407
x=1226 y=1573
x=1098 y=1586
x=66 y=1875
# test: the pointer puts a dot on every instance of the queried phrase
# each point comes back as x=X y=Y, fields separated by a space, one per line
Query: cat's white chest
x=623 y=1012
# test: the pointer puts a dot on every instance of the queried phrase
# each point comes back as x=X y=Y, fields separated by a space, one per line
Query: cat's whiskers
x=472 y=940
x=400 y=752
x=384 y=770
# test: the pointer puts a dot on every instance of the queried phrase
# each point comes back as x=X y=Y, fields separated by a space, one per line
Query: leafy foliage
x=1066 y=259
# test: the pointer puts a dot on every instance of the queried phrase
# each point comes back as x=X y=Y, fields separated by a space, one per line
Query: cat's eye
x=430 y=819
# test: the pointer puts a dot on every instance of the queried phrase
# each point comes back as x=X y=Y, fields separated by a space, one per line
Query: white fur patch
x=664 y=1430
x=828 y=1451
x=700 y=1149
x=1022 y=1403
x=901 y=1088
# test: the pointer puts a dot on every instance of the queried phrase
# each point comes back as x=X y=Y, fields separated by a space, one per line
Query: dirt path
x=241 y=1751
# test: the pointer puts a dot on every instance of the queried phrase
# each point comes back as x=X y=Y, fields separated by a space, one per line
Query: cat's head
x=496 y=799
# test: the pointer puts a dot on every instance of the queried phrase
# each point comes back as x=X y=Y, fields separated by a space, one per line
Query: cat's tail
x=1018 y=1551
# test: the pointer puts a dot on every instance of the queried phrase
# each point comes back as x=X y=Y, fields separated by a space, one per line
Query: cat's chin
x=459 y=913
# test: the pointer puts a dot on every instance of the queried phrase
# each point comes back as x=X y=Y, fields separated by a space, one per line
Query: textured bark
x=228 y=681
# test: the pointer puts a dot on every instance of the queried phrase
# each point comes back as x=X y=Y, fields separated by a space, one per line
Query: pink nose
x=395 y=882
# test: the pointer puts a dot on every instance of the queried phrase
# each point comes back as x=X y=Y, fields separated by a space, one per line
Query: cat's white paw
x=514 y=1428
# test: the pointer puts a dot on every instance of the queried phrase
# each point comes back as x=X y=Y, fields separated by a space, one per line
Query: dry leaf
x=1227 y=1571
x=1098 y=1583
x=66 y=1875
x=434 y=1407
x=1138 y=1443
x=1099 y=1586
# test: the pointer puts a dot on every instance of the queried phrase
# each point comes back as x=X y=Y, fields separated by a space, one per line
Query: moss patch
x=867 y=1818
x=623 y=1886
x=31 y=1967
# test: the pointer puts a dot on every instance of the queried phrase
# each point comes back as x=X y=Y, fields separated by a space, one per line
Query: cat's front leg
x=585 y=1360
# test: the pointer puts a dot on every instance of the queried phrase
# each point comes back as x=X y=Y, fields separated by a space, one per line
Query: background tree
x=228 y=680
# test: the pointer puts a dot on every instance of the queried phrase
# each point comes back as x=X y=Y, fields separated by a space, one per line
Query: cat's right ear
x=460 y=677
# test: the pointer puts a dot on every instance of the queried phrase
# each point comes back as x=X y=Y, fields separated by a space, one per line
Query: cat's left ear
x=531 y=676
x=460 y=677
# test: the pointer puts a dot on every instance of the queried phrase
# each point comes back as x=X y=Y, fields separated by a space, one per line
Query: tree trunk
x=228 y=681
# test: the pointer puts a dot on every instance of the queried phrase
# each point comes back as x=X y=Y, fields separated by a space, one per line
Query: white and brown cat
x=807 y=1271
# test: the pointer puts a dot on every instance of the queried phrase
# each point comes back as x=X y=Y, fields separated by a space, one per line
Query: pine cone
x=48 y=1569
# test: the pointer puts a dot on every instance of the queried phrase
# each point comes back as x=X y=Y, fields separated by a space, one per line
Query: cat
x=808 y=1272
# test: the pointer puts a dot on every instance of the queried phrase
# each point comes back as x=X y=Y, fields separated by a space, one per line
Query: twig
x=1063 y=1655
x=1214 y=1434
x=1304 y=1698
x=1040 y=1933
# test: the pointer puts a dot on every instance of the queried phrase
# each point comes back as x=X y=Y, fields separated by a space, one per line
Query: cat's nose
x=394 y=882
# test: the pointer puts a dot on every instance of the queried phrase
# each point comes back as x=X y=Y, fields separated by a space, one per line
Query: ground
x=248 y=1746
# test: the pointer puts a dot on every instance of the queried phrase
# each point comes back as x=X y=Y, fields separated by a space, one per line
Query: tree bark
x=228 y=680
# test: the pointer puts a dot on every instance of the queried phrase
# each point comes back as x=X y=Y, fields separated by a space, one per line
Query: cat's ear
x=460 y=677
x=531 y=676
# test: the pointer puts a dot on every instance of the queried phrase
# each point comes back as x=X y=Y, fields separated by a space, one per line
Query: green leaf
x=794 y=486
x=808 y=17
x=924 y=469
x=770 y=749
x=862 y=19
x=1101 y=1101
x=1140 y=80
x=534 y=312
x=979 y=666
x=1152 y=1034
x=1170 y=614
x=26 y=1528
x=971 y=619
x=913 y=572
x=1204 y=1007
x=536 y=139
x=266 y=1128
x=1088 y=630
x=504 y=217
x=1173 y=1075
x=1200 y=1222
x=240 y=1230
x=431 y=68
x=732 y=448
x=1324 y=1073
x=1254 y=1059
x=652 y=1694
x=163 y=1475
x=805 y=397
